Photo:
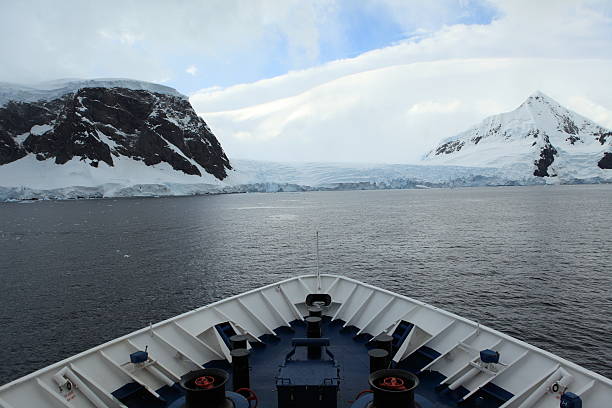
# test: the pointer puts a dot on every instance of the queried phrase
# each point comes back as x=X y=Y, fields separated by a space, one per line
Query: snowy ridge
x=540 y=135
x=50 y=90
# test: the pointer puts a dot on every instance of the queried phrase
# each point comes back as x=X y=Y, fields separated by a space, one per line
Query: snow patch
x=38 y=130
x=22 y=137
x=107 y=140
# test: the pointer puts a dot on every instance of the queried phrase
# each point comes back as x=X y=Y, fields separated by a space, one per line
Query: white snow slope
x=29 y=178
x=515 y=139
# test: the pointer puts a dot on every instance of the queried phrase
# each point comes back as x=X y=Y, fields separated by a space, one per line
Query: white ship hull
x=186 y=342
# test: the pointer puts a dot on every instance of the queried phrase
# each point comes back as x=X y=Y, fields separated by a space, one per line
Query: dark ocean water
x=534 y=262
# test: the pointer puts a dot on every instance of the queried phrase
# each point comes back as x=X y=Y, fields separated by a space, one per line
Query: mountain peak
x=539 y=132
x=541 y=97
x=539 y=102
x=538 y=94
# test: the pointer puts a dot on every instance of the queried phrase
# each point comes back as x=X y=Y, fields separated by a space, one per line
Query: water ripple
x=533 y=262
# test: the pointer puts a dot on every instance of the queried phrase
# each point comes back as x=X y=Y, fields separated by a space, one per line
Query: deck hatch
x=305 y=382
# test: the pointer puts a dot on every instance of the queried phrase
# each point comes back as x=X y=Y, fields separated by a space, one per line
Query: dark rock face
x=547 y=157
x=606 y=161
x=99 y=124
x=572 y=139
x=568 y=125
x=450 y=147
x=602 y=137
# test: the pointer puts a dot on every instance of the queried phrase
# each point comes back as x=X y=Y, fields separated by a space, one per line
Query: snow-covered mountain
x=118 y=138
x=540 y=136
x=92 y=132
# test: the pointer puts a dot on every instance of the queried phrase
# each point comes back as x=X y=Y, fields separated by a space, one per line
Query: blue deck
x=351 y=354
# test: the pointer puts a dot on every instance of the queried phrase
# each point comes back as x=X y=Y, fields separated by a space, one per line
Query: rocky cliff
x=102 y=121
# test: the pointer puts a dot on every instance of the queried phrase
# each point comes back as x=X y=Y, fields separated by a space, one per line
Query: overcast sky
x=327 y=80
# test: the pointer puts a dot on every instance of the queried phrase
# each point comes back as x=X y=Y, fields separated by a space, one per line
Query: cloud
x=526 y=29
x=397 y=113
x=427 y=107
x=192 y=70
x=455 y=62
x=236 y=41
x=41 y=40
x=394 y=104
x=591 y=110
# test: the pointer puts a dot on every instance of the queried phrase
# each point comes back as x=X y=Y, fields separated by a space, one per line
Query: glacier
x=30 y=179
